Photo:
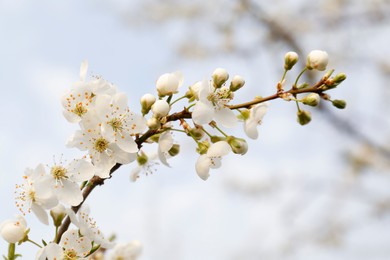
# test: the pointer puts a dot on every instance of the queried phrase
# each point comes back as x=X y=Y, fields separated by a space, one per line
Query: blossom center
x=101 y=145
x=80 y=109
x=58 y=172
x=70 y=254
x=116 y=124
x=220 y=98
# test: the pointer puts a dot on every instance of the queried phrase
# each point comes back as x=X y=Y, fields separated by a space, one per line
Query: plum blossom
x=145 y=165
x=103 y=153
x=71 y=247
x=119 y=124
x=13 y=230
x=256 y=114
x=79 y=100
x=212 y=159
x=88 y=227
x=62 y=180
x=33 y=195
x=212 y=106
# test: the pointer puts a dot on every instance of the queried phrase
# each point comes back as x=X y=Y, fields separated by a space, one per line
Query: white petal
x=126 y=143
x=71 y=117
x=179 y=76
x=51 y=252
x=225 y=117
x=40 y=213
x=165 y=141
x=69 y=193
x=135 y=173
x=102 y=105
x=120 y=101
x=202 y=114
x=83 y=70
x=218 y=149
x=250 y=128
x=81 y=170
x=202 y=167
x=138 y=124
x=123 y=157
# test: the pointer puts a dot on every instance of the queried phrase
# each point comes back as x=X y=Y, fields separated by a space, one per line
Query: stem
x=299 y=76
x=222 y=132
x=169 y=99
x=56 y=234
x=180 y=98
x=204 y=130
x=35 y=243
x=284 y=75
x=11 y=251
x=312 y=89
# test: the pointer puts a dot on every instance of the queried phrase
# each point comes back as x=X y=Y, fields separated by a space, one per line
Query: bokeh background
x=316 y=192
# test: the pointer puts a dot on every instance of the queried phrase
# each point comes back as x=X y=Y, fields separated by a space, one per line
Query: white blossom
x=103 y=153
x=118 y=123
x=212 y=159
x=256 y=114
x=63 y=180
x=13 y=230
x=146 y=164
x=71 y=247
x=33 y=194
x=212 y=106
x=88 y=226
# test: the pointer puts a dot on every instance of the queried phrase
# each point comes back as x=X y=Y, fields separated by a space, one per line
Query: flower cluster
x=111 y=135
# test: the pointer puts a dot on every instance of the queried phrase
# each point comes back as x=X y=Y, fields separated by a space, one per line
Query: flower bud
x=160 y=108
x=153 y=123
x=174 y=150
x=340 y=104
x=304 y=117
x=14 y=230
x=196 y=133
x=147 y=101
x=238 y=145
x=220 y=76
x=58 y=213
x=339 y=78
x=193 y=92
x=237 y=83
x=303 y=85
x=317 y=60
x=313 y=99
x=290 y=59
x=169 y=83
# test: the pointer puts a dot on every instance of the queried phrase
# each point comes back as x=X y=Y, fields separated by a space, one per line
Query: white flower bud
x=58 y=213
x=237 y=83
x=220 y=76
x=160 y=108
x=317 y=60
x=14 y=230
x=153 y=123
x=147 y=101
x=193 y=92
x=168 y=83
x=290 y=59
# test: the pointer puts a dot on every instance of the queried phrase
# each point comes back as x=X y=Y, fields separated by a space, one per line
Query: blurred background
x=316 y=192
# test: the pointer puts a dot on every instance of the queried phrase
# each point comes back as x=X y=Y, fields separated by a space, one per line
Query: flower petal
x=218 y=149
x=225 y=117
x=202 y=114
x=202 y=167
